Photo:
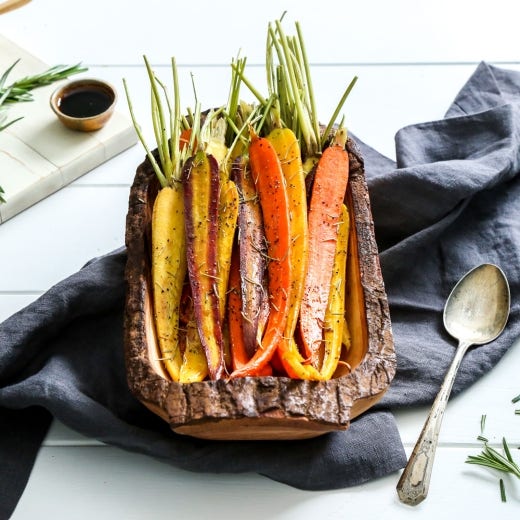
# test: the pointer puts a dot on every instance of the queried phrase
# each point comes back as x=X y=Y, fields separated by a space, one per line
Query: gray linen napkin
x=450 y=203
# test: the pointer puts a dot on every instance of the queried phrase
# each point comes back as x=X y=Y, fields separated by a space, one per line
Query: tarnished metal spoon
x=475 y=313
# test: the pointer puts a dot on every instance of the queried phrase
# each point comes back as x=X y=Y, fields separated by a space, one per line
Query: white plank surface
x=207 y=32
x=411 y=59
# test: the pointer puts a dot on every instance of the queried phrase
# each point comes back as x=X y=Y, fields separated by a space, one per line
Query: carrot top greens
x=168 y=122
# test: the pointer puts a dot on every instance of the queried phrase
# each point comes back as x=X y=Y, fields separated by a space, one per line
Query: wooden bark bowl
x=258 y=408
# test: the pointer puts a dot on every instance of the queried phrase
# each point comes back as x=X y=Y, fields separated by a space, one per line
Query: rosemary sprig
x=491 y=458
x=21 y=89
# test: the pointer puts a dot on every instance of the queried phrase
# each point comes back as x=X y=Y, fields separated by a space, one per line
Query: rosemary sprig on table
x=21 y=90
x=491 y=458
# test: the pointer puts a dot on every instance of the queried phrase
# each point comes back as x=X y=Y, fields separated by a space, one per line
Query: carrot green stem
x=337 y=111
x=308 y=78
x=248 y=84
x=311 y=145
x=155 y=165
x=160 y=124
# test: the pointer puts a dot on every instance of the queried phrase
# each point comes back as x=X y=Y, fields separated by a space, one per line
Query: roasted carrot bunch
x=254 y=260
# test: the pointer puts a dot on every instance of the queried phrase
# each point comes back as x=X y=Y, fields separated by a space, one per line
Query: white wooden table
x=411 y=58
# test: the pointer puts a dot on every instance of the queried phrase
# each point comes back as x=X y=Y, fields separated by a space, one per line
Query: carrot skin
x=335 y=317
x=239 y=354
x=194 y=364
x=253 y=251
x=227 y=221
x=168 y=273
x=328 y=192
x=202 y=190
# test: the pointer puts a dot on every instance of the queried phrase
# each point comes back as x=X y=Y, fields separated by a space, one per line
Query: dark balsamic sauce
x=85 y=103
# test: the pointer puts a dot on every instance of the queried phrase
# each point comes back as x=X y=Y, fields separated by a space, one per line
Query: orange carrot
x=239 y=355
x=328 y=192
x=270 y=185
x=184 y=139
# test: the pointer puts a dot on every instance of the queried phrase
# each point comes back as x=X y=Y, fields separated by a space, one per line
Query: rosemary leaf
x=502 y=491
x=506 y=450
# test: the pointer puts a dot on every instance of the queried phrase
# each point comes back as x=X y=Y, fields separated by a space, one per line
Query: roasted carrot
x=202 y=189
x=227 y=221
x=253 y=256
x=328 y=192
x=168 y=272
x=287 y=149
x=194 y=364
x=184 y=138
x=270 y=185
x=239 y=354
x=334 y=316
x=293 y=362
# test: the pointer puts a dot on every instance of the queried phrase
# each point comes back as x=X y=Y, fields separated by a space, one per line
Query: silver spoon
x=475 y=313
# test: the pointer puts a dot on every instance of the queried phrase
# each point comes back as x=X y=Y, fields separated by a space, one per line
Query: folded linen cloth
x=449 y=204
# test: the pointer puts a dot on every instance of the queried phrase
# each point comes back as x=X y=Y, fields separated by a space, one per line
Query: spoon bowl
x=478 y=306
x=475 y=313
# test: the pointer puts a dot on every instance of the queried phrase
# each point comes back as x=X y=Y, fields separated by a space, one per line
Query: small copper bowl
x=85 y=104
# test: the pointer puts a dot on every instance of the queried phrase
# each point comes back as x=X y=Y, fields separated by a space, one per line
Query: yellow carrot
x=194 y=364
x=334 y=316
x=227 y=221
x=168 y=272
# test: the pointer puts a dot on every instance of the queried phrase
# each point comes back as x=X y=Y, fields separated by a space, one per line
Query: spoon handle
x=414 y=483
